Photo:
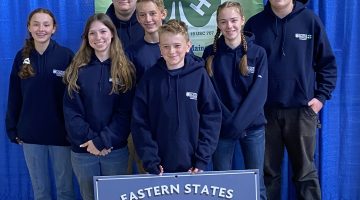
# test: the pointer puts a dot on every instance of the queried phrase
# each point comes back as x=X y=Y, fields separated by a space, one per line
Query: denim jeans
x=86 y=166
x=295 y=130
x=37 y=161
x=252 y=147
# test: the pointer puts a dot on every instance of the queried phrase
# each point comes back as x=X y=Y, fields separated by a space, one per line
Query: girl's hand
x=19 y=141
x=105 y=152
x=90 y=147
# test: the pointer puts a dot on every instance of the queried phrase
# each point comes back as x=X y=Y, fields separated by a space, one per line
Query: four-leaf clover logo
x=194 y=12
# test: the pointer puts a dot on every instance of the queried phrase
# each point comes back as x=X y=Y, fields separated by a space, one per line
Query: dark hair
x=27 y=70
x=243 y=63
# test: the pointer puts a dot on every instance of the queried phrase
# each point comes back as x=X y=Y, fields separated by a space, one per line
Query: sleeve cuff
x=98 y=143
x=322 y=99
x=201 y=165
x=154 y=170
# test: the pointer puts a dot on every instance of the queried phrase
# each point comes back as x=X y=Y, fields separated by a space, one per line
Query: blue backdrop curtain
x=337 y=156
x=70 y=16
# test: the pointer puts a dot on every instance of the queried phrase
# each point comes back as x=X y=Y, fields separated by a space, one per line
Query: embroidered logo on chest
x=251 y=69
x=59 y=73
x=303 y=36
x=191 y=95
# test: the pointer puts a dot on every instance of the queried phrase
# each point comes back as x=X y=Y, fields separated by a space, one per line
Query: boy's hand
x=195 y=170
x=161 y=170
x=315 y=104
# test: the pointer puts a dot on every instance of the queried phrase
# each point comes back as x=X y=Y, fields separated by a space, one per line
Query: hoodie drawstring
x=101 y=77
x=283 y=39
x=276 y=28
x=283 y=36
x=169 y=87
x=177 y=101
x=176 y=90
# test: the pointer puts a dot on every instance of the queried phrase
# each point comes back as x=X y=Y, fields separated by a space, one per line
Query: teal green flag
x=199 y=15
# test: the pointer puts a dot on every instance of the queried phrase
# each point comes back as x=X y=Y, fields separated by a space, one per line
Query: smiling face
x=173 y=47
x=230 y=22
x=41 y=27
x=150 y=16
x=100 y=38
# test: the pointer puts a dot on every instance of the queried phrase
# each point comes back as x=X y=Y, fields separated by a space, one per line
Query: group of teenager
x=260 y=84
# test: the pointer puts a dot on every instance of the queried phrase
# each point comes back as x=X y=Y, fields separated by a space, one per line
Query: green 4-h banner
x=199 y=15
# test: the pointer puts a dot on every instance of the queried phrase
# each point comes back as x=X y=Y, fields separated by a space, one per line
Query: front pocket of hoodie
x=286 y=92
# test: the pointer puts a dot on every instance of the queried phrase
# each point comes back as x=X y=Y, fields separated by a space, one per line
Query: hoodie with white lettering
x=176 y=117
x=94 y=113
x=301 y=62
x=35 y=110
x=242 y=96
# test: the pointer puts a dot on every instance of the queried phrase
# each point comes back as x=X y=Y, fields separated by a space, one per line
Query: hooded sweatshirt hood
x=94 y=113
x=128 y=31
x=34 y=112
x=301 y=62
x=303 y=1
x=280 y=26
x=169 y=126
x=242 y=97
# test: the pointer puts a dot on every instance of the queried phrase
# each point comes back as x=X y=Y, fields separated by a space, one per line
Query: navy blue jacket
x=128 y=31
x=34 y=112
x=301 y=62
x=95 y=114
x=143 y=55
x=242 y=97
x=176 y=117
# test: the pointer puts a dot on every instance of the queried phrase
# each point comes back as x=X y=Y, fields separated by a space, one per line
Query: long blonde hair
x=27 y=69
x=122 y=70
x=243 y=63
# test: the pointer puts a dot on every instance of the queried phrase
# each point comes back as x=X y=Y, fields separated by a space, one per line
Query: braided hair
x=27 y=70
x=243 y=69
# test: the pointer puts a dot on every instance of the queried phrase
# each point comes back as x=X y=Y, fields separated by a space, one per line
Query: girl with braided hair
x=238 y=70
x=34 y=117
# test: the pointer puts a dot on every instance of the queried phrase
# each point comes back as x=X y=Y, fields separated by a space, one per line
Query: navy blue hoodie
x=242 y=97
x=34 y=112
x=301 y=62
x=95 y=114
x=176 y=117
x=143 y=55
x=128 y=31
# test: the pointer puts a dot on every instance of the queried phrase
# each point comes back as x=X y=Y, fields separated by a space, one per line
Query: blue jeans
x=253 y=150
x=86 y=166
x=37 y=157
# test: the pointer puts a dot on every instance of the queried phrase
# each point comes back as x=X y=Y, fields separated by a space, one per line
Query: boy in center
x=176 y=112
